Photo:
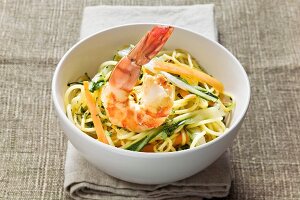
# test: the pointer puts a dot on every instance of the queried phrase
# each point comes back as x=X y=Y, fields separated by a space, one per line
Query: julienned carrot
x=94 y=110
x=148 y=148
x=178 y=139
x=183 y=93
x=186 y=71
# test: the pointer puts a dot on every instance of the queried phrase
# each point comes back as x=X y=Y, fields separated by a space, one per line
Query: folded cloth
x=82 y=179
x=198 y=18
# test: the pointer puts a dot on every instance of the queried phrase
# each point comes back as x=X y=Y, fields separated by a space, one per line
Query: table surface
x=264 y=36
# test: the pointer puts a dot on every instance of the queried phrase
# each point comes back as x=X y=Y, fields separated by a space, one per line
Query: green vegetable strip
x=205 y=95
x=138 y=145
x=167 y=128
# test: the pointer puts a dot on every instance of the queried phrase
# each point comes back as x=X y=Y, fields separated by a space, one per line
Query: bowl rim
x=129 y=153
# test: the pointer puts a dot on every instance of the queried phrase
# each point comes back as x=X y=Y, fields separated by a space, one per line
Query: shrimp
x=156 y=102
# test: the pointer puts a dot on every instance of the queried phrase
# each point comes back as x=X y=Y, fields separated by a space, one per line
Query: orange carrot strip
x=148 y=148
x=186 y=71
x=178 y=139
x=183 y=93
x=94 y=110
x=210 y=103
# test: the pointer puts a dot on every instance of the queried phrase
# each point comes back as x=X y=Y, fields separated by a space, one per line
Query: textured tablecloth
x=264 y=36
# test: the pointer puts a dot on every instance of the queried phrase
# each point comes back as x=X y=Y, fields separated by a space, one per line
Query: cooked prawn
x=157 y=94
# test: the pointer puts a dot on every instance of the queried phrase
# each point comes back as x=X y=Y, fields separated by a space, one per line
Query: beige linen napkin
x=83 y=180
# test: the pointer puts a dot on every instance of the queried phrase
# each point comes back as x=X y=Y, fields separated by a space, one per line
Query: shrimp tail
x=150 y=44
x=127 y=71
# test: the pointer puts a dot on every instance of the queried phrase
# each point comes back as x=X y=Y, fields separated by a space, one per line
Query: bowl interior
x=89 y=53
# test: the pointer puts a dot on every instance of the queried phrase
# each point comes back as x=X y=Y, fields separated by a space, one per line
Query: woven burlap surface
x=264 y=36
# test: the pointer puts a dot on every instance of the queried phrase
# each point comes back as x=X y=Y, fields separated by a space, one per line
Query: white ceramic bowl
x=139 y=167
